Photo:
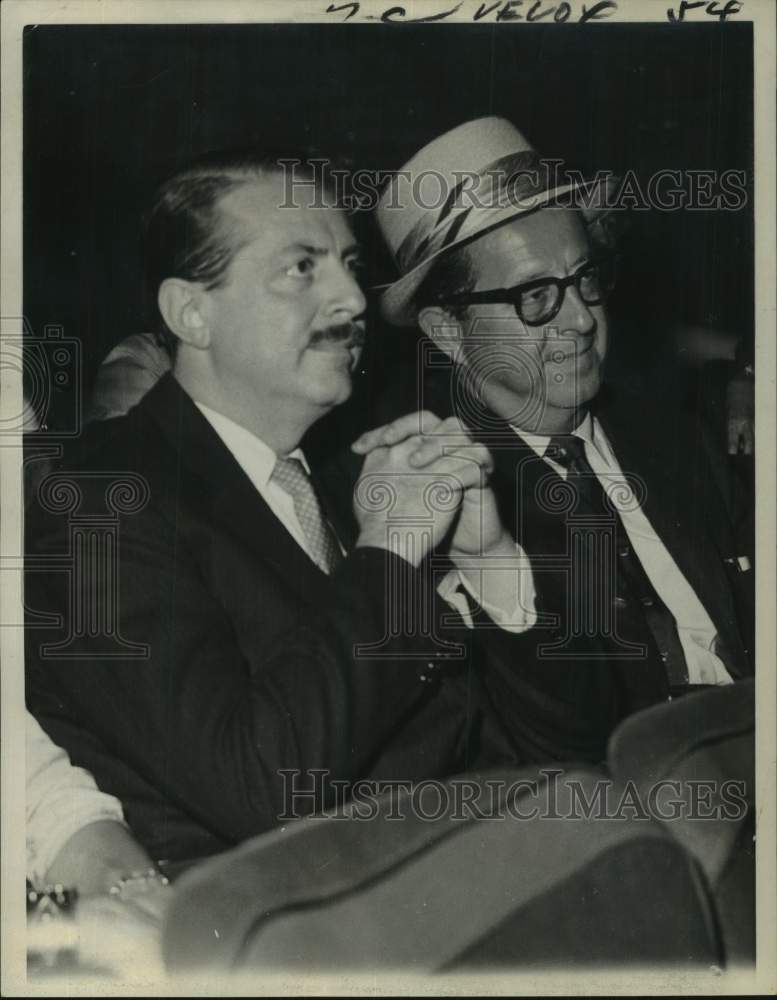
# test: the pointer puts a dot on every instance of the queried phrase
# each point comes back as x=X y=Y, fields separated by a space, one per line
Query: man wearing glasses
x=642 y=591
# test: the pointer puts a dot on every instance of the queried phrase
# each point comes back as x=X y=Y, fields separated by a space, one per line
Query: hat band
x=518 y=180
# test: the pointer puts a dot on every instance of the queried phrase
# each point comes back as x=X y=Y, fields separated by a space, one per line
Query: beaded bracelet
x=145 y=878
x=51 y=900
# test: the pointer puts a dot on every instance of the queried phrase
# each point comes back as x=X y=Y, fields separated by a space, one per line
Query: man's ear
x=443 y=329
x=180 y=303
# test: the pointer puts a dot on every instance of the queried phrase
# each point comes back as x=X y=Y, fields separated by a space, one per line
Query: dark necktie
x=632 y=582
x=291 y=476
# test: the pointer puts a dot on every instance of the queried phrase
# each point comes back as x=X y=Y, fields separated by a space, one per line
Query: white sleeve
x=512 y=603
x=61 y=799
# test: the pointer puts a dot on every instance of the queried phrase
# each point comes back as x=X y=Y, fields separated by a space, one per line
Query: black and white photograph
x=388 y=562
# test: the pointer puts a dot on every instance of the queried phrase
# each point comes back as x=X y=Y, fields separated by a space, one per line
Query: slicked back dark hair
x=185 y=235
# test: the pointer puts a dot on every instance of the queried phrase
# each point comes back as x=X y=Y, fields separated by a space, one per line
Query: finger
x=426 y=424
x=430 y=451
x=425 y=453
x=480 y=454
x=419 y=421
x=369 y=440
x=459 y=473
x=366 y=442
x=400 y=453
x=376 y=458
x=452 y=430
x=453 y=425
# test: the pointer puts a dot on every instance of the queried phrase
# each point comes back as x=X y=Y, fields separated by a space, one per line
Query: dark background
x=109 y=109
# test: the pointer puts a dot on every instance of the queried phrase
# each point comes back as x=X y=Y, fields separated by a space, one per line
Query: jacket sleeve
x=196 y=717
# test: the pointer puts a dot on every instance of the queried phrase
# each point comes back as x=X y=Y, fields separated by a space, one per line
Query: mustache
x=352 y=333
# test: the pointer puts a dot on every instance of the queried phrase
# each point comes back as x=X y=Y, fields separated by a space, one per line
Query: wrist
x=95 y=856
x=130 y=885
x=145 y=891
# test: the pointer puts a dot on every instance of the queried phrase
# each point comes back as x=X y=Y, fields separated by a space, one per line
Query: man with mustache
x=644 y=589
x=247 y=640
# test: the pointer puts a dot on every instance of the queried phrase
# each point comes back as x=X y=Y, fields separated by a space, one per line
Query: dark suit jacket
x=205 y=653
x=575 y=702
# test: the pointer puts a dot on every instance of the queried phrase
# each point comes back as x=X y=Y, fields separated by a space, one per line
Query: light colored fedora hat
x=471 y=179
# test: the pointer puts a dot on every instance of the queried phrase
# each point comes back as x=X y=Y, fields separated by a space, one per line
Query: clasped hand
x=436 y=479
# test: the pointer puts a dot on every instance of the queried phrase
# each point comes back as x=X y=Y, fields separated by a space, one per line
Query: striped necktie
x=632 y=580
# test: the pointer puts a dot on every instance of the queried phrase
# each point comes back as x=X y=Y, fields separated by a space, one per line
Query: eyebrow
x=314 y=251
x=538 y=273
x=305 y=248
x=533 y=273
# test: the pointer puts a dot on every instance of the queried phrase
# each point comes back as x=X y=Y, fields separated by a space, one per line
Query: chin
x=331 y=392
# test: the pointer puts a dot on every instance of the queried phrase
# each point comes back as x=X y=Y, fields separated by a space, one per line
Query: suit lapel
x=210 y=475
x=682 y=503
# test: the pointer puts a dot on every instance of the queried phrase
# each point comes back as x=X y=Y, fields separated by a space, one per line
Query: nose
x=347 y=300
x=576 y=316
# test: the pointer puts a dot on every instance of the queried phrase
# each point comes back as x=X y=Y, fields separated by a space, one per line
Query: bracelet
x=143 y=879
x=50 y=901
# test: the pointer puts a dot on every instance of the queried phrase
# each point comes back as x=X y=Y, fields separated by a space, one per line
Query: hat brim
x=396 y=302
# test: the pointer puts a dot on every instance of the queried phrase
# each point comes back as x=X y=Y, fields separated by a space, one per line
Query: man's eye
x=537 y=295
x=355 y=265
x=301 y=268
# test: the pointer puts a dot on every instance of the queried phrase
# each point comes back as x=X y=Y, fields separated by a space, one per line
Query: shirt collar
x=248 y=449
x=539 y=442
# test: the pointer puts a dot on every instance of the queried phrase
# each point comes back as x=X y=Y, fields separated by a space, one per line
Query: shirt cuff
x=503 y=588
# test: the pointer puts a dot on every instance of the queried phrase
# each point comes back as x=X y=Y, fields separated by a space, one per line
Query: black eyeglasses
x=537 y=302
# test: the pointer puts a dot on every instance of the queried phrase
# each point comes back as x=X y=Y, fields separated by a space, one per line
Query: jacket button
x=620 y=602
x=623 y=551
x=647 y=601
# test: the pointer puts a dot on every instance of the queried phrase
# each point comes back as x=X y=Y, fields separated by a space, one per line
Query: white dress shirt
x=61 y=799
x=512 y=613
x=257 y=460
x=695 y=628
